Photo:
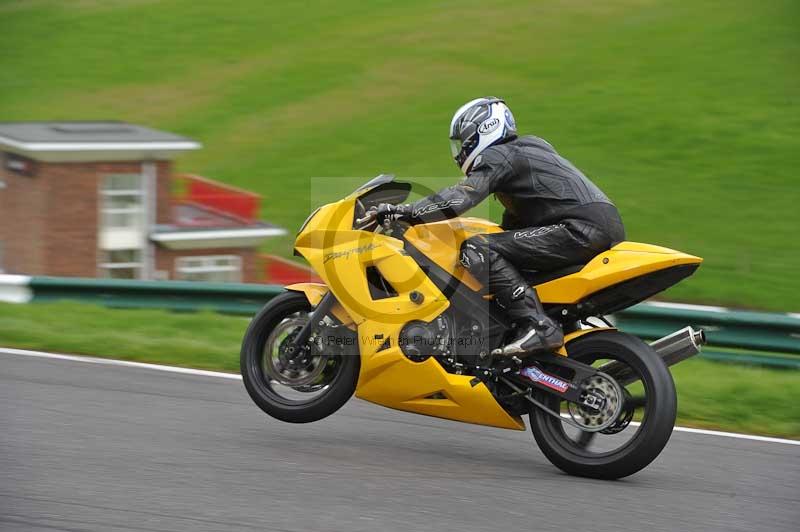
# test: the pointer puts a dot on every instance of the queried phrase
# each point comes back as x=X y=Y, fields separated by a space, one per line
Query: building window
x=1 y=257
x=122 y=201
x=121 y=264
x=219 y=268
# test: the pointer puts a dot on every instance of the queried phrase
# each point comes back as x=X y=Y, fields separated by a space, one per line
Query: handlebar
x=370 y=216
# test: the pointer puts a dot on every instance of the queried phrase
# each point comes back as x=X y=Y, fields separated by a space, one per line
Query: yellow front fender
x=315 y=292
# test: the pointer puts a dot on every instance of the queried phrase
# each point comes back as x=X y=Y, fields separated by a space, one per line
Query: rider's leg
x=494 y=258
x=535 y=330
x=552 y=246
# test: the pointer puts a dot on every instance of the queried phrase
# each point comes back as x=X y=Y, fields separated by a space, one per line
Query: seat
x=535 y=277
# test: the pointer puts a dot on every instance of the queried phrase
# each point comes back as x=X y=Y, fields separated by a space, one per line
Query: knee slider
x=474 y=257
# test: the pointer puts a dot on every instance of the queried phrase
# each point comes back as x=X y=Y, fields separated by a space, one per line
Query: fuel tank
x=440 y=242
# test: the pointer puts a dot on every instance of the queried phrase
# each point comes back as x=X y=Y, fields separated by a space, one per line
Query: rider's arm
x=485 y=177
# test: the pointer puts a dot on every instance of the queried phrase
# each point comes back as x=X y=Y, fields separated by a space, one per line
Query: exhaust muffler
x=680 y=345
x=673 y=348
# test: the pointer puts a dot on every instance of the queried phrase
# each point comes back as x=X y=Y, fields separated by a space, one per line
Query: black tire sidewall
x=341 y=388
x=651 y=438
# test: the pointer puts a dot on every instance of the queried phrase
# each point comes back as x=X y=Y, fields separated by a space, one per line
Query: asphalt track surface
x=88 y=447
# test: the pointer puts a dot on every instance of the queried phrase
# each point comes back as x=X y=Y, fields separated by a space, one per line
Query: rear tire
x=656 y=426
x=261 y=389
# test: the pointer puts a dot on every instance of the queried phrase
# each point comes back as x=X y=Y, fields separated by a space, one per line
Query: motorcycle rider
x=554 y=215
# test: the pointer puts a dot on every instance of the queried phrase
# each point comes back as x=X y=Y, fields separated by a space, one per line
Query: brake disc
x=293 y=369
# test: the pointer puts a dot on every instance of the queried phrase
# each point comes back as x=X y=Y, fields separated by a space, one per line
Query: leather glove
x=390 y=213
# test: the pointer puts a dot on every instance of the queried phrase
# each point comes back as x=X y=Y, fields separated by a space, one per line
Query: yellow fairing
x=341 y=256
x=390 y=379
x=624 y=261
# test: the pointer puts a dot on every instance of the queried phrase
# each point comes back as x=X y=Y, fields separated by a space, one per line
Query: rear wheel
x=297 y=386
x=640 y=431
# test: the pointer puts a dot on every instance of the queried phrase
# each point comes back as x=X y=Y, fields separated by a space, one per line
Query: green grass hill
x=684 y=111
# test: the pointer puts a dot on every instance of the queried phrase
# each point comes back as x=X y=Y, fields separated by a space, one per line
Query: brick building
x=98 y=199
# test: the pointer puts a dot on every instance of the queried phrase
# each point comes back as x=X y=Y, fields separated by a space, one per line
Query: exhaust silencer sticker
x=537 y=375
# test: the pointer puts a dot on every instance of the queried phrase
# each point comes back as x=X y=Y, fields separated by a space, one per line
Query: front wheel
x=641 y=430
x=298 y=385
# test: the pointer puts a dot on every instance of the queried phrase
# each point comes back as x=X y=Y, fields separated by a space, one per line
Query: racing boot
x=535 y=330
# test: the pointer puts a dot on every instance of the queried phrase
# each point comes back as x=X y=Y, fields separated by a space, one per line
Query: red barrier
x=278 y=270
x=218 y=197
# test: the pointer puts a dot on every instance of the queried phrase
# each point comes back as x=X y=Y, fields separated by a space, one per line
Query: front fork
x=299 y=344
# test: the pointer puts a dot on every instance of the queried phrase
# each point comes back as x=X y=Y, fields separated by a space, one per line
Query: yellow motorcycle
x=400 y=323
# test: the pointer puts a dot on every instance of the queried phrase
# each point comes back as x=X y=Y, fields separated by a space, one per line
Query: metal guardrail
x=230 y=298
x=769 y=339
x=724 y=327
x=748 y=337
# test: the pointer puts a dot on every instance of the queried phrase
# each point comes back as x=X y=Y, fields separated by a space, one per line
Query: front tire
x=337 y=382
x=573 y=455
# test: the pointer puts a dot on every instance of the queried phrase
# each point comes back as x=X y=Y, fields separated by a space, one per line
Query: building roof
x=88 y=141
x=85 y=132
x=192 y=215
x=177 y=237
x=196 y=226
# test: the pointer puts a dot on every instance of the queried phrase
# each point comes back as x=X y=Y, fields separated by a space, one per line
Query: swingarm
x=541 y=371
x=595 y=394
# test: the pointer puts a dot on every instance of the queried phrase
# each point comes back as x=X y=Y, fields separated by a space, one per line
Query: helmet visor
x=455 y=147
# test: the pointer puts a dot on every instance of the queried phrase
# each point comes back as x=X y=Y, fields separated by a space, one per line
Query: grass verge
x=710 y=394
x=684 y=111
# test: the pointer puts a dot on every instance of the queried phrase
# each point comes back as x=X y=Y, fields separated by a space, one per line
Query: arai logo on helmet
x=488 y=126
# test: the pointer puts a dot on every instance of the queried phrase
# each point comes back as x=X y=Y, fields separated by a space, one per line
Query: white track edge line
x=115 y=362
x=233 y=376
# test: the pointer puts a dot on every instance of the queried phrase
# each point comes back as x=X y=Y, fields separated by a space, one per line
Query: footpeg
x=532 y=342
x=510 y=351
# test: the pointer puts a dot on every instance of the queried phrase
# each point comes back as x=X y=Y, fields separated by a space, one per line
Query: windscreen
x=376 y=181
x=381 y=189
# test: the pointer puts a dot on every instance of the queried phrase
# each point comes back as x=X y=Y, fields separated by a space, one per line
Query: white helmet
x=477 y=125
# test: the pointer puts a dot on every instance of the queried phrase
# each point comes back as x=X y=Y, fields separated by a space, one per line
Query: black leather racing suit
x=555 y=216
